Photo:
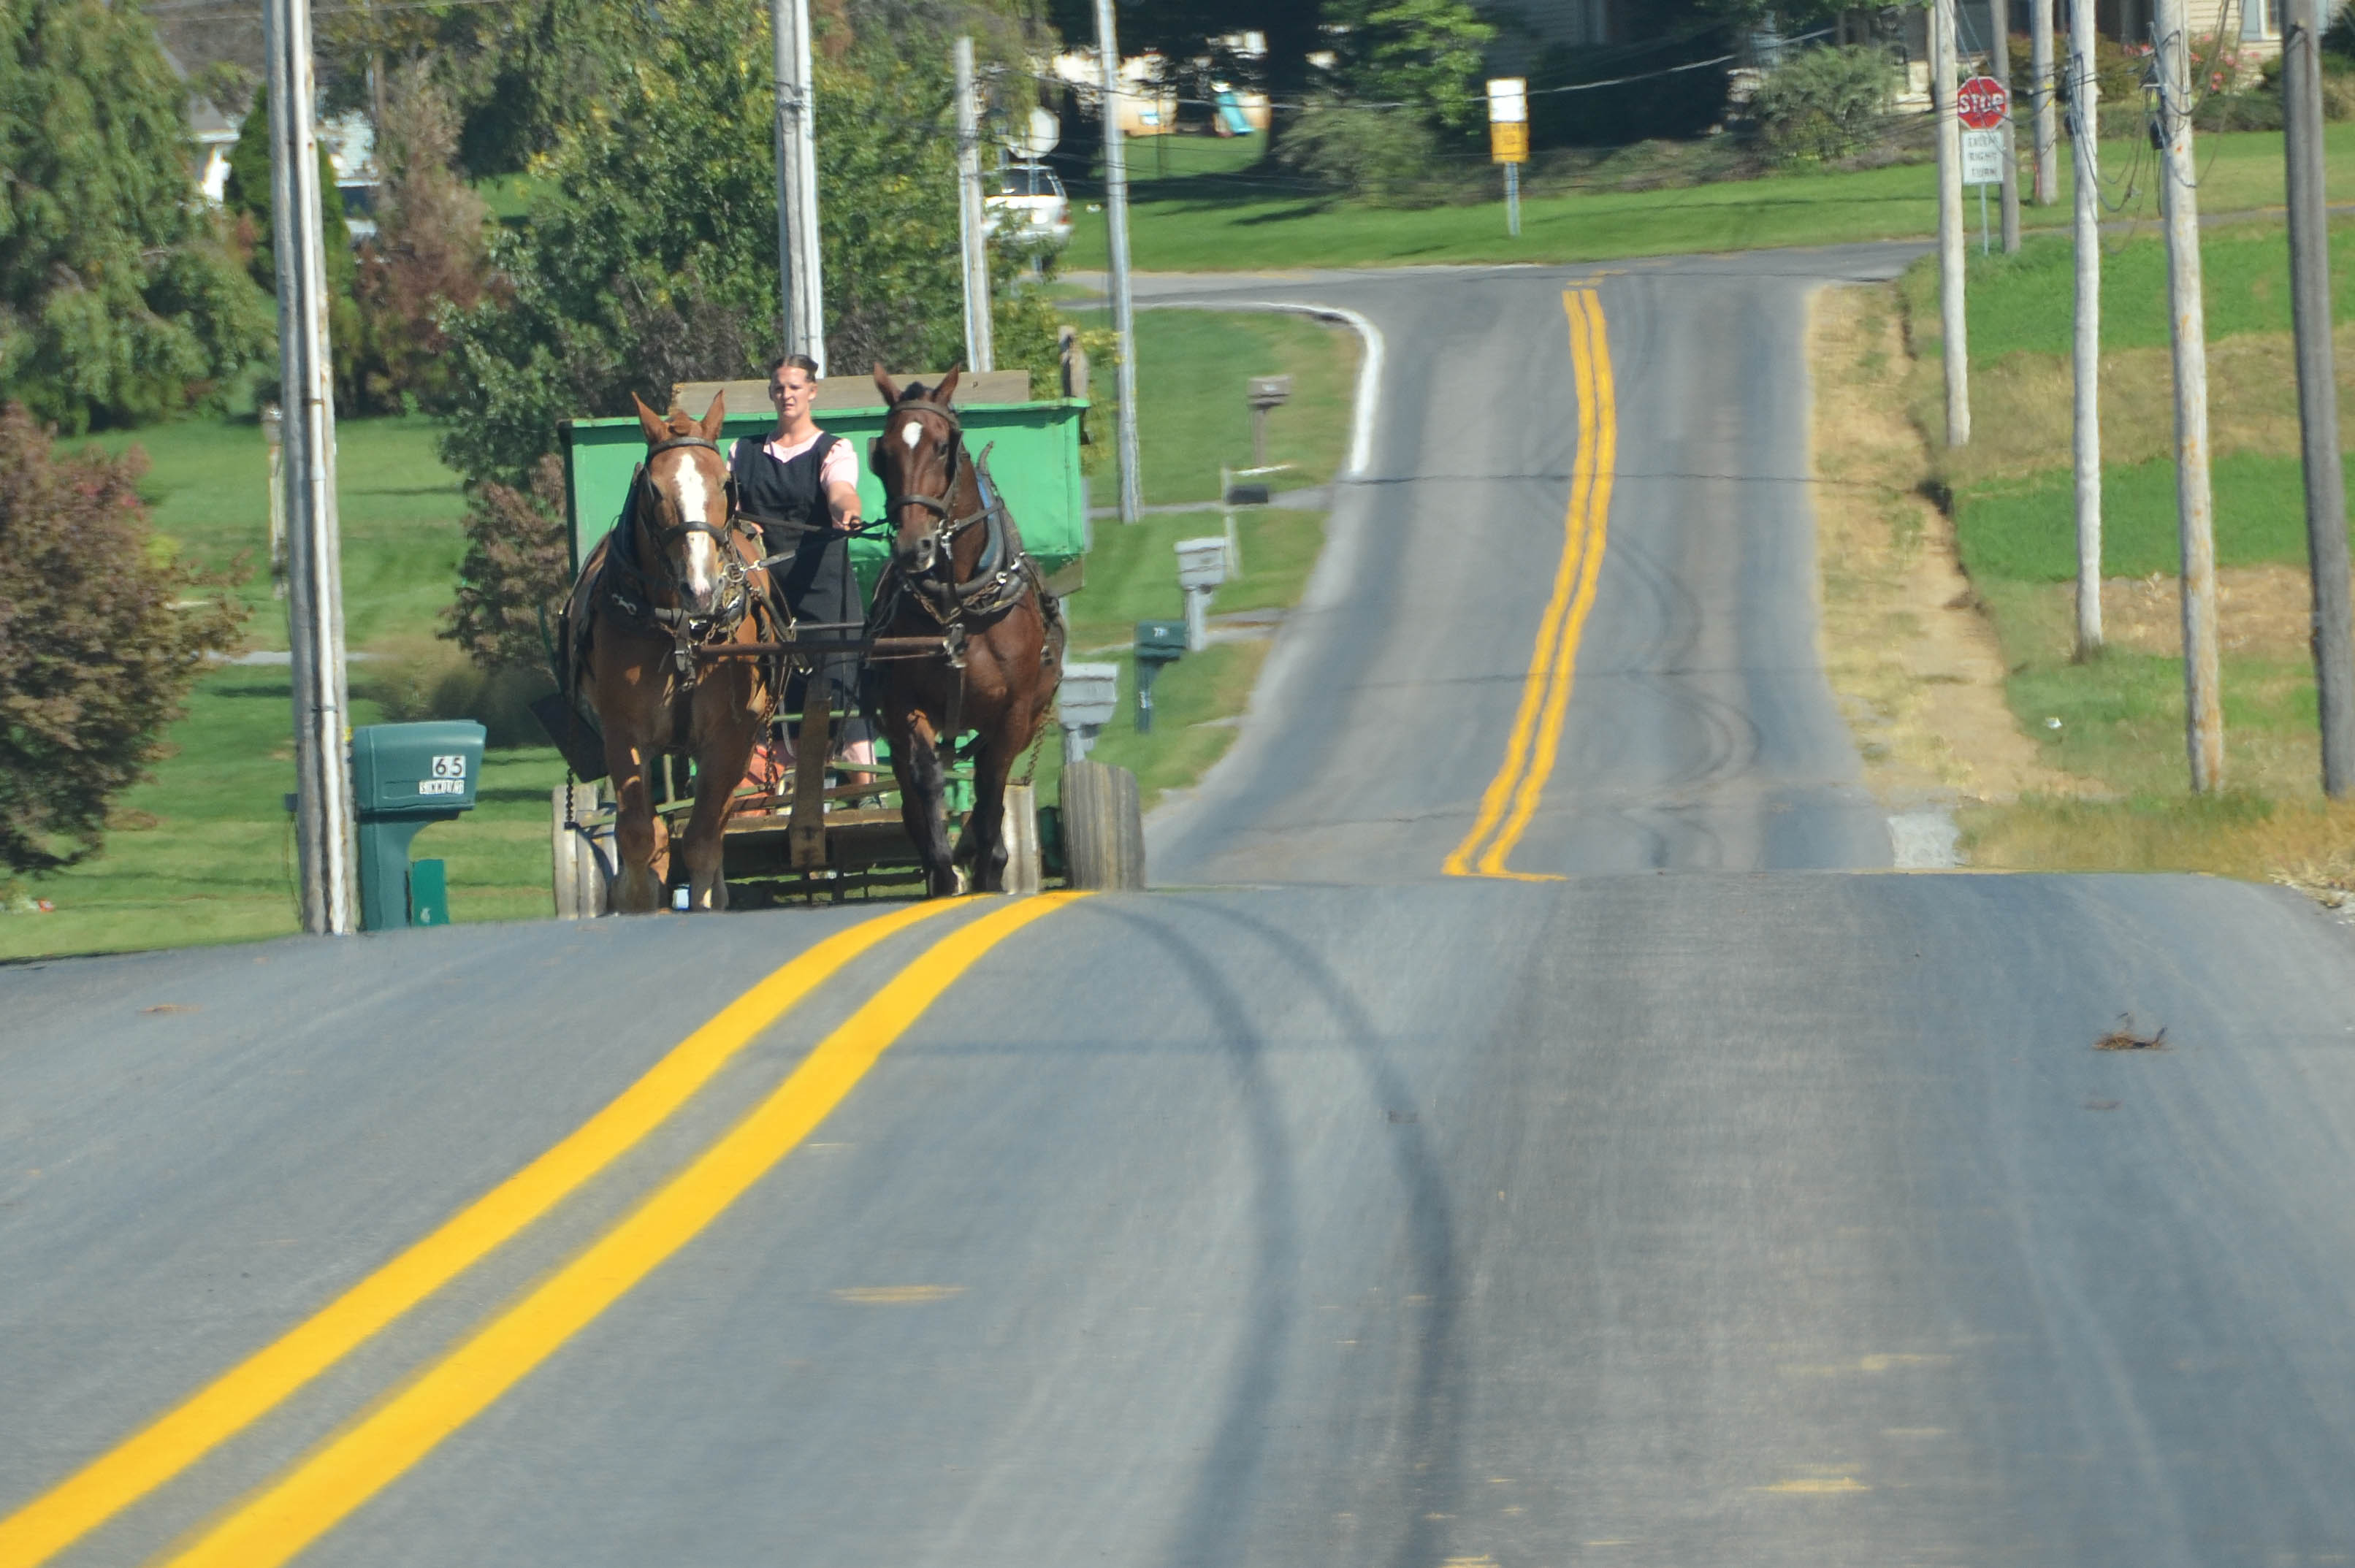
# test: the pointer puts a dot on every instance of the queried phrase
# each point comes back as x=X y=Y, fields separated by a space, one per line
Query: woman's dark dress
x=818 y=582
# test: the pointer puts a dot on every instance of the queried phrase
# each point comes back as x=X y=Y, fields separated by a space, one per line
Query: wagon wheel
x=1103 y=832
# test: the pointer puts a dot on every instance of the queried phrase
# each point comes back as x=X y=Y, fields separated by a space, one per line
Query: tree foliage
x=97 y=652
x=1823 y=105
x=121 y=299
x=1423 y=55
x=431 y=251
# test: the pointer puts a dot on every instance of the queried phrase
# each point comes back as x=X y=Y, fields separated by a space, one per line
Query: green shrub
x=1382 y=156
x=1824 y=105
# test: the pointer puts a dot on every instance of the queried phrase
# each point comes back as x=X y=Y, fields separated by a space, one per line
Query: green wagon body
x=1035 y=460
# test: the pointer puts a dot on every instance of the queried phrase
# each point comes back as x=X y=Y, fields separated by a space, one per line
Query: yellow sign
x=1508 y=142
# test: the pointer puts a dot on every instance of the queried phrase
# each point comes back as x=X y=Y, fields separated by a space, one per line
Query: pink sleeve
x=841 y=466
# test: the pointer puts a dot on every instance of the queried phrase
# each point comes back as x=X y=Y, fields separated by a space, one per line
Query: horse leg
x=982 y=843
x=923 y=800
x=638 y=834
x=727 y=725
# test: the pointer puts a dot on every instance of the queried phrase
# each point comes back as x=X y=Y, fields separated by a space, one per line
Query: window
x=2260 y=19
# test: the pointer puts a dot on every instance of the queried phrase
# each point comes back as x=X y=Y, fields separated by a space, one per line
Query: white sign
x=441 y=786
x=1982 y=157
x=1508 y=101
x=451 y=766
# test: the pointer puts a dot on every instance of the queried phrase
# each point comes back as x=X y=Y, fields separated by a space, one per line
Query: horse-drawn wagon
x=809 y=828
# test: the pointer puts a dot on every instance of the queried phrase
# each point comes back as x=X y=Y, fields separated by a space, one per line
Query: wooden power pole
x=1999 y=66
x=797 y=254
x=980 y=354
x=2178 y=175
x=2039 y=94
x=2318 y=394
x=1124 y=307
x=314 y=583
x=2084 y=142
x=1950 y=223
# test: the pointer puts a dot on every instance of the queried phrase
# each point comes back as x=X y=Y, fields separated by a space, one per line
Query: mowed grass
x=2027 y=303
x=1254 y=217
x=203 y=851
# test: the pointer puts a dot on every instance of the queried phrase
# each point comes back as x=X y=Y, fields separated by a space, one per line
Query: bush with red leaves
x=101 y=635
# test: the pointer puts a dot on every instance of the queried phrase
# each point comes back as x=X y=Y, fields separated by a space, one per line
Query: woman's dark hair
x=798 y=361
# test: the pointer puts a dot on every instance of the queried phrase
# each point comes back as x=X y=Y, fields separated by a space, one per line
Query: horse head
x=918 y=460
x=683 y=504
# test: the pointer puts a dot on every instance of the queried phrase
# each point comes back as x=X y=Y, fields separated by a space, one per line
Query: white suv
x=1026 y=202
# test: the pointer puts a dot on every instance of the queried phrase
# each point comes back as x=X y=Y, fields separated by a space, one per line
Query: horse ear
x=883 y=385
x=714 y=416
x=657 y=431
x=947 y=389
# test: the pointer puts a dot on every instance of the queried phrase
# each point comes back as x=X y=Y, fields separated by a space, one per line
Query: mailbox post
x=1267 y=393
x=1158 y=643
x=1088 y=698
x=405 y=777
x=1202 y=568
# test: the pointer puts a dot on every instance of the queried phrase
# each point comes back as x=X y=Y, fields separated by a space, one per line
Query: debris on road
x=2124 y=1036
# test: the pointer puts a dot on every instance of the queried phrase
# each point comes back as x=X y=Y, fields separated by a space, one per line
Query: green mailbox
x=405 y=777
x=1157 y=643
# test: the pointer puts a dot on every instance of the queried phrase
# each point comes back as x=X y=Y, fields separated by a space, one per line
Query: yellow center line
x=1534 y=739
x=255 y=1386
x=282 y=1519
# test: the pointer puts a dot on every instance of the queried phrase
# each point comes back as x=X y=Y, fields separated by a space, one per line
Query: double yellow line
x=306 y=1501
x=1512 y=796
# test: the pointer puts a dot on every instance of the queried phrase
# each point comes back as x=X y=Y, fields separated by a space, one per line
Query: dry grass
x=1916 y=664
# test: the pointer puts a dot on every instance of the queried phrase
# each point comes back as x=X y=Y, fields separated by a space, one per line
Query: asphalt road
x=1704 y=1204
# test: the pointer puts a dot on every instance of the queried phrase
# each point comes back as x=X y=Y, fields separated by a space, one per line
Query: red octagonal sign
x=1980 y=104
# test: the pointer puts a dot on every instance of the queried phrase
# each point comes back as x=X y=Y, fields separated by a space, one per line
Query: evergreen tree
x=120 y=299
x=248 y=193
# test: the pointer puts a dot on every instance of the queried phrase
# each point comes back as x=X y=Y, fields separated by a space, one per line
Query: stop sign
x=1980 y=104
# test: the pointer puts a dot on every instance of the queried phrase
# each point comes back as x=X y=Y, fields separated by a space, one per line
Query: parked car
x=1027 y=203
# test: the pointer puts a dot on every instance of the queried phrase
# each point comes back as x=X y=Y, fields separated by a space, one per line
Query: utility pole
x=2318 y=394
x=2084 y=117
x=2040 y=66
x=2203 y=716
x=979 y=354
x=1124 y=308
x=1950 y=223
x=797 y=256
x=1999 y=60
x=314 y=614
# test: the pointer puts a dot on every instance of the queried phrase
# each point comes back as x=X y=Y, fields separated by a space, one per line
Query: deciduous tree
x=101 y=637
x=120 y=298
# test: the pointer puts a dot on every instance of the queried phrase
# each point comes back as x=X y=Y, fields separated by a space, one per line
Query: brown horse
x=677 y=572
x=957 y=570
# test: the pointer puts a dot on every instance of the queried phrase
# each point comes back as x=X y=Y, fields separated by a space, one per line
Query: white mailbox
x=1088 y=698
x=1202 y=563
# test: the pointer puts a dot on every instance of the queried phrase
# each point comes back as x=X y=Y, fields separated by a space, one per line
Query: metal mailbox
x=404 y=778
x=1086 y=701
x=1157 y=643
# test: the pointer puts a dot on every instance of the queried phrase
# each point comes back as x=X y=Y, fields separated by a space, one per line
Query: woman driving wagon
x=801 y=486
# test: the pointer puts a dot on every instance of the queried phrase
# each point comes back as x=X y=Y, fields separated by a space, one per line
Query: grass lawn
x=203 y=851
x=1236 y=218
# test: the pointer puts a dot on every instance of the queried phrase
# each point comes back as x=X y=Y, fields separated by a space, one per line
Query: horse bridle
x=943 y=505
x=684 y=626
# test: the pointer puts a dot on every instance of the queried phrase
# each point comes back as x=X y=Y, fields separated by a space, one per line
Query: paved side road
x=1700 y=732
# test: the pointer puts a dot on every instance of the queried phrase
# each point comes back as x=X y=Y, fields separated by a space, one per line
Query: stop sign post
x=1981 y=104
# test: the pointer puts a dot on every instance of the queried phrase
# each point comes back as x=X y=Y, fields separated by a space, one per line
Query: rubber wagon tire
x=1103 y=831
